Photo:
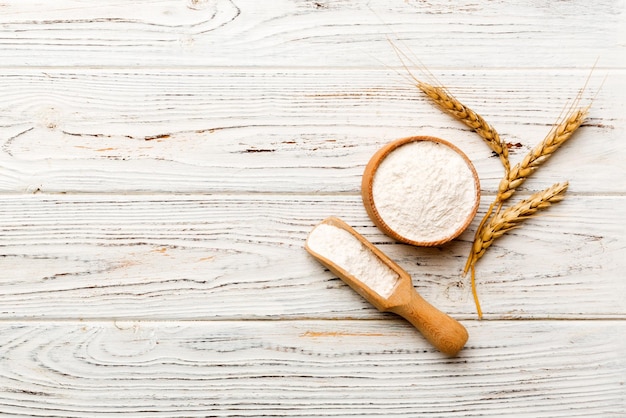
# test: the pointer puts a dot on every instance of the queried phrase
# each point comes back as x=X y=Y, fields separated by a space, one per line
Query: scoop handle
x=443 y=331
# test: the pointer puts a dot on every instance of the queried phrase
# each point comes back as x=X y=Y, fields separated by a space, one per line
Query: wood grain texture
x=310 y=368
x=306 y=33
x=162 y=161
x=238 y=257
x=288 y=131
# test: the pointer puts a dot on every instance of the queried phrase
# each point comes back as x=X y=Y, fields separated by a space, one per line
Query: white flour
x=347 y=252
x=424 y=191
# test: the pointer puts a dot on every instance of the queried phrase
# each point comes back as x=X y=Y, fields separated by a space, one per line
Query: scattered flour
x=347 y=252
x=424 y=191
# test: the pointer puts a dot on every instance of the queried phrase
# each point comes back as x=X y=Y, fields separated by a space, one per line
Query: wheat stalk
x=540 y=153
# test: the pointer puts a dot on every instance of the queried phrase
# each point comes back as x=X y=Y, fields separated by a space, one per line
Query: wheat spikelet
x=541 y=152
x=454 y=107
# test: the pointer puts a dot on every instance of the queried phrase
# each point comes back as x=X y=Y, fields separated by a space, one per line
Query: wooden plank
x=252 y=130
x=241 y=257
x=161 y=163
x=302 y=33
x=310 y=368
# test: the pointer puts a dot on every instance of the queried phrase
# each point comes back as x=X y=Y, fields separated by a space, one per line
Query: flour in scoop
x=424 y=191
x=347 y=252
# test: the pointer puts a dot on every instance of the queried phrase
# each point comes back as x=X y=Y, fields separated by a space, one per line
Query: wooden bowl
x=463 y=211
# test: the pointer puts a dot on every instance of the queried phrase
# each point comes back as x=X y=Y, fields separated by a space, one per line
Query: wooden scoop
x=444 y=332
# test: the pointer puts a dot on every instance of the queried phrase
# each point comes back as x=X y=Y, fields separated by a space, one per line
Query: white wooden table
x=163 y=161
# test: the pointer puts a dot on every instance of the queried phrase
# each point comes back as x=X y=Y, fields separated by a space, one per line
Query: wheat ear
x=540 y=153
x=454 y=107
x=451 y=105
x=507 y=220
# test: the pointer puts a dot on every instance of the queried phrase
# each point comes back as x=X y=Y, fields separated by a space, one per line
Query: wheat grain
x=540 y=153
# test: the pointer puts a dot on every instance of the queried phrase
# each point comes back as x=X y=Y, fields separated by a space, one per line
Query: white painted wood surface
x=161 y=163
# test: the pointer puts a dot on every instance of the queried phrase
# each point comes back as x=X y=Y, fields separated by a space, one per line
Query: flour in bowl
x=424 y=191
